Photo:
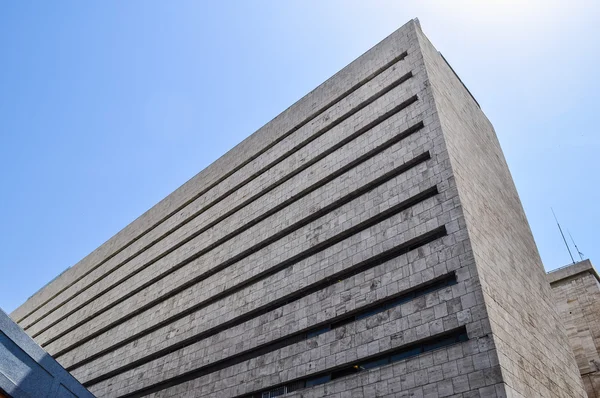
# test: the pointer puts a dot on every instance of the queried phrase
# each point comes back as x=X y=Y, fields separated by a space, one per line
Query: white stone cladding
x=576 y=292
x=284 y=233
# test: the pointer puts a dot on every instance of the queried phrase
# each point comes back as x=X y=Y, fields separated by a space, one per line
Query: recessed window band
x=455 y=336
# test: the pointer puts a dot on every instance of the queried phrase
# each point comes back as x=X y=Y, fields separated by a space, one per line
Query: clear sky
x=107 y=106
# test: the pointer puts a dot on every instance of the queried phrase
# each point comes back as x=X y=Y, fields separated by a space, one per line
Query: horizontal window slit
x=380 y=306
x=238 y=231
x=329 y=208
x=444 y=340
x=385 y=256
x=402 y=248
x=229 y=192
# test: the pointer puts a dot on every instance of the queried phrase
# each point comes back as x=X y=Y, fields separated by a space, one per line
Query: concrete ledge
x=571 y=270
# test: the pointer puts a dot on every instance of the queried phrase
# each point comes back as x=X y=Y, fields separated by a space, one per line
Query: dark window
x=297 y=385
x=315 y=381
x=462 y=337
x=405 y=354
x=375 y=364
x=276 y=392
x=345 y=372
x=434 y=345
x=342 y=322
x=316 y=332
x=457 y=336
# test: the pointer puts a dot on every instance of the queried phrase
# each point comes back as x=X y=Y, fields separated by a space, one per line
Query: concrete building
x=27 y=371
x=576 y=290
x=367 y=242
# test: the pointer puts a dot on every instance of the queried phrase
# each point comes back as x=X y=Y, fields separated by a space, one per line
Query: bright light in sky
x=107 y=107
x=531 y=12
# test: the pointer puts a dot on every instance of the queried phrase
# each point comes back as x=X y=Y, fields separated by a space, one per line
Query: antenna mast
x=576 y=248
x=563 y=236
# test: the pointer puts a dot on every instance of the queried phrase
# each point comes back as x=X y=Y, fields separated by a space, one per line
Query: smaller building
x=27 y=371
x=576 y=290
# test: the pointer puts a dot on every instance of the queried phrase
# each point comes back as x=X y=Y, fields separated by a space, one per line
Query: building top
x=26 y=370
x=569 y=271
x=240 y=157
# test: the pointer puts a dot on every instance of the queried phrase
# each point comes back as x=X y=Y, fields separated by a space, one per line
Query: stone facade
x=576 y=290
x=367 y=242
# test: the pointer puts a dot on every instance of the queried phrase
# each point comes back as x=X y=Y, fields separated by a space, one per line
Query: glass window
x=374 y=364
x=345 y=372
x=276 y=392
x=405 y=354
x=296 y=385
x=444 y=341
x=315 y=381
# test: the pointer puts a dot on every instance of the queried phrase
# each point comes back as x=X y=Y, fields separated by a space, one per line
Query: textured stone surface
x=531 y=342
x=212 y=272
x=576 y=290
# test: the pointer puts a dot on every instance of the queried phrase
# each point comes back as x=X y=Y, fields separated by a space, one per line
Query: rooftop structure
x=576 y=290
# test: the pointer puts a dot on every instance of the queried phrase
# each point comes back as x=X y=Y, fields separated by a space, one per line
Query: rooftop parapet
x=569 y=271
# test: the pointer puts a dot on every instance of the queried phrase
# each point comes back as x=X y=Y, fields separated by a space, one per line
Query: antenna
x=581 y=255
x=563 y=236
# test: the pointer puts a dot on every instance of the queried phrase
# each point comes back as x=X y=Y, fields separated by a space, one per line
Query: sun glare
x=511 y=17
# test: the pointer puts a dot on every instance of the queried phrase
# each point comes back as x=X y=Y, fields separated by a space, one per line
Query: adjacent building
x=576 y=290
x=367 y=242
x=27 y=371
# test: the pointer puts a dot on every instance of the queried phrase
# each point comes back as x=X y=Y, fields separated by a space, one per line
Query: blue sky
x=106 y=107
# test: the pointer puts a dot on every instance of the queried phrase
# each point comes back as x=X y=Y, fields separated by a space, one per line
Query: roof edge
x=569 y=271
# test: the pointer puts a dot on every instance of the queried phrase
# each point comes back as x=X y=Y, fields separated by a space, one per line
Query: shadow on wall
x=27 y=371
